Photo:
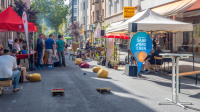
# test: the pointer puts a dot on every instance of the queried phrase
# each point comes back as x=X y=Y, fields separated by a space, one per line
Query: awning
x=196 y=6
x=174 y=8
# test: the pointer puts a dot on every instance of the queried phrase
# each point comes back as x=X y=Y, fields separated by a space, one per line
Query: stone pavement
x=128 y=94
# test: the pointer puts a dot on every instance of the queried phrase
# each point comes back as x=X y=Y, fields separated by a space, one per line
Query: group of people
x=50 y=47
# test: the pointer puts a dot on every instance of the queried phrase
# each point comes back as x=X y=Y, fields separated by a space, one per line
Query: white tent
x=150 y=21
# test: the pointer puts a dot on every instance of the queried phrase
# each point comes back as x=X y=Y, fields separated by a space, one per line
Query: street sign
x=129 y=12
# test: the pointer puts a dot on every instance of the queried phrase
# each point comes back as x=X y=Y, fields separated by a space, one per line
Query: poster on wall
x=140 y=46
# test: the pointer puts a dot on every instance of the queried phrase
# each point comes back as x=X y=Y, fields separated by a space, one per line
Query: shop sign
x=129 y=12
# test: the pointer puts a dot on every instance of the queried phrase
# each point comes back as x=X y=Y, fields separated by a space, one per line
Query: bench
x=197 y=73
x=6 y=83
x=154 y=66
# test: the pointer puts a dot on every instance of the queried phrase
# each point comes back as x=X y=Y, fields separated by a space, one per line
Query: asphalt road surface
x=128 y=94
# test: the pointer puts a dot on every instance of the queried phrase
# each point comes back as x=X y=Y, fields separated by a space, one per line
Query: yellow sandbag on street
x=96 y=69
x=78 y=61
x=102 y=73
x=34 y=77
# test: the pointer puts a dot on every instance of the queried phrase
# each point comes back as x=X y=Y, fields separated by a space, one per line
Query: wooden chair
x=155 y=65
x=5 y=83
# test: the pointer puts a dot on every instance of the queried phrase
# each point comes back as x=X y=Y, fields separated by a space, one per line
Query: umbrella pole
x=193 y=49
x=128 y=40
x=33 y=50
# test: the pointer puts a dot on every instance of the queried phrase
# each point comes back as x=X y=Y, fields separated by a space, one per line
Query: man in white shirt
x=10 y=43
x=8 y=69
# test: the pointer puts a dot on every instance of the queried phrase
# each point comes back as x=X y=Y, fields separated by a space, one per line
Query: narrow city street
x=128 y=94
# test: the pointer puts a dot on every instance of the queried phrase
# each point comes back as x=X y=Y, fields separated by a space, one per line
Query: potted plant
x=75 y=45
x=114 y=63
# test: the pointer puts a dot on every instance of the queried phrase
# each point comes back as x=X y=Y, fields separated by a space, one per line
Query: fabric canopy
x=150 y=21
x=174 y=8
x=10 y=21
x=120 y=36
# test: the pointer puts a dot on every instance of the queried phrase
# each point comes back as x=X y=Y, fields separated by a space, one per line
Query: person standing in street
x=60 y=45
x=10 y=43
x=40 y=48
x=49 y=45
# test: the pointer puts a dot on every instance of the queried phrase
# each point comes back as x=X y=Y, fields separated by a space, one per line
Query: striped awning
x=174 y=8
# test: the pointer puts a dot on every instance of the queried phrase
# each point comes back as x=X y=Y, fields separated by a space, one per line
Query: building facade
x=74 y=10
x=84 y=17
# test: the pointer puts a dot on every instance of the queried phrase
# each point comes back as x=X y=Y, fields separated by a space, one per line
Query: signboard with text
x=129 y=12
x=140 y=46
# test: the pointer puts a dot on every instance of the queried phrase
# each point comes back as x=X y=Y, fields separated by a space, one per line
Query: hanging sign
x=25 y=23
x=140 y=46
x=129 y=12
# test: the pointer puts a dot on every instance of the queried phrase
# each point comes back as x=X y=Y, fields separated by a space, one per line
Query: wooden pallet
x=103 y=90
x=58 y=92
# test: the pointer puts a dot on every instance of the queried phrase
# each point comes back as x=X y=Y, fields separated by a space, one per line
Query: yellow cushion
x=35 y=77
x=96 y=69
x=102 y=73
x=78 y=61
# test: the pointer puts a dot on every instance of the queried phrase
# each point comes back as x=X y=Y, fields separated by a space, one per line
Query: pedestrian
x=60 y=45
x=1 y=47
x=40 y=48
x=88 y=48
x=49 y=45
x=16 y=45
x=66 y=47
x=20 y=43
x=44 y=50
x=154 y=42
x=10 y=43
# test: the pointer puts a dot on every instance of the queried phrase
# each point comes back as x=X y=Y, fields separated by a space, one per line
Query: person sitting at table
x=151 y=60
x=8 y=69
x=1 y=47
x=24 y=50
x=19 y=67
x=20 y=43
x=16 y=45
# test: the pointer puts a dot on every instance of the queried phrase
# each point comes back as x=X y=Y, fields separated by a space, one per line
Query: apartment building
x=84 y=17
x=74 y=10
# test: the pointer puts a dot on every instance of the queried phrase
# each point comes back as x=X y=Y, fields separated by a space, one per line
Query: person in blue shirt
x=24 y=50
x=49 y=45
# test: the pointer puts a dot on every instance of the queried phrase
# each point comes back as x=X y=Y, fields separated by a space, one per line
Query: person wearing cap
x=60 y=45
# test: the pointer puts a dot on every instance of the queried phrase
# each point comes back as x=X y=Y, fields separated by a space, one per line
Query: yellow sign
x=81 y=32
x=129 y=12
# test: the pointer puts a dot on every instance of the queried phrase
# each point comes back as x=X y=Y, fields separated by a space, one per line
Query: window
x=115 y=7
x=75 y=10
x=93 y=16
x=75 y=2
x=83 y=20
x=122 y=5
x=97 y=1
x=75 y=18
x=130 y=2
x=83 y=5
x=97 y=15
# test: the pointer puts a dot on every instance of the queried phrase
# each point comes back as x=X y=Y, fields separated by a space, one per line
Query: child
x=23 y=50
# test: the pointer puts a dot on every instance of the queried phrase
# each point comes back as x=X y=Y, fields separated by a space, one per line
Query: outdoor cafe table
x=175 y=83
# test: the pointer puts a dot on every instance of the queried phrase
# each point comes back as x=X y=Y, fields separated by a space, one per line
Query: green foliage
x=31 y=13
x=53 y=11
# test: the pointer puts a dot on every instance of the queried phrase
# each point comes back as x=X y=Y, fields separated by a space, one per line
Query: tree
x=75 y=30
x=31 y=13
x=54 y=12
